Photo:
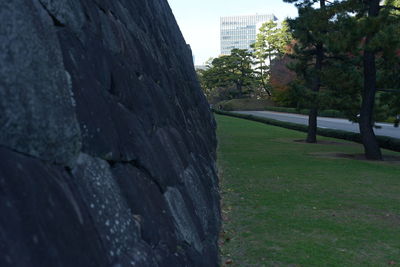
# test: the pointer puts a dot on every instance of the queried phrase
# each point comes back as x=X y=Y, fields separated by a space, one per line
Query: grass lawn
x=288 y=203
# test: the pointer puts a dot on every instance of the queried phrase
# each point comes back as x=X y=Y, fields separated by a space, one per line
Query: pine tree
x=309 y=30
x=227 y=70
x=358 y=29
x=372 y=32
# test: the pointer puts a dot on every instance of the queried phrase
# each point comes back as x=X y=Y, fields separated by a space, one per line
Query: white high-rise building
x=241 y=31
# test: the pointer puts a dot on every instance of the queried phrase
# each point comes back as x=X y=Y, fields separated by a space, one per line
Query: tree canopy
x=360 y=41
x=310 y=29
x=227 y=71
x=272 y=41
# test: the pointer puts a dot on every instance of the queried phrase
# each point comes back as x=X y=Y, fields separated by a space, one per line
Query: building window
x=240 y=31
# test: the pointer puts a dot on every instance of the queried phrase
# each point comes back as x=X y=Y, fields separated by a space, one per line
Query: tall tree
x=370 y=30
x=271 y=42
x=310 y=29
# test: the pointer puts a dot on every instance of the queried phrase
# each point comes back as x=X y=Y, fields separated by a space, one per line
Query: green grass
x=287 y=203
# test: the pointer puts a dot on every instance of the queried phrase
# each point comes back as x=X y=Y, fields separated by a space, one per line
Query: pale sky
x=199 y=20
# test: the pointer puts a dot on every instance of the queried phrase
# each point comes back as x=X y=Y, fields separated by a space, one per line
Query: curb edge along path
x=325 y=122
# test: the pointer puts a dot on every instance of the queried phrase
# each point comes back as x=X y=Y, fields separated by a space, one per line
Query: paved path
x=330 y=123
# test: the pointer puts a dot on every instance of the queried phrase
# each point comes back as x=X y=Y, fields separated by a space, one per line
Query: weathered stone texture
x=107 y=145
x=36 y=109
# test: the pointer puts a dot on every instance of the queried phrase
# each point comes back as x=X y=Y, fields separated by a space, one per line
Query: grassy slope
x=285 y=206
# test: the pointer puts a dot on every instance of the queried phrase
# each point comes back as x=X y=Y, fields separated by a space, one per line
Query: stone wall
x=107 y=145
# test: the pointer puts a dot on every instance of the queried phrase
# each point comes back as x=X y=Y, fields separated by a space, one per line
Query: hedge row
x=323 y=113
x=384 y=141
x=244 y=104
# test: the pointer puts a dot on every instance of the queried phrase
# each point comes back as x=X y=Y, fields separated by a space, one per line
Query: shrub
x=245 y=104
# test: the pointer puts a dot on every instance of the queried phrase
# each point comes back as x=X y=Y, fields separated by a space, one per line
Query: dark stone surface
x=44 y=219
x=107 y=145
x=36 y=108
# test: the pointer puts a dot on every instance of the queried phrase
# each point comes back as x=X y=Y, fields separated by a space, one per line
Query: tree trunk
x=312 y=116
x=316 y=84
x=368 y=138
x=312 y=125
x=239 y=88
x=263 y=83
